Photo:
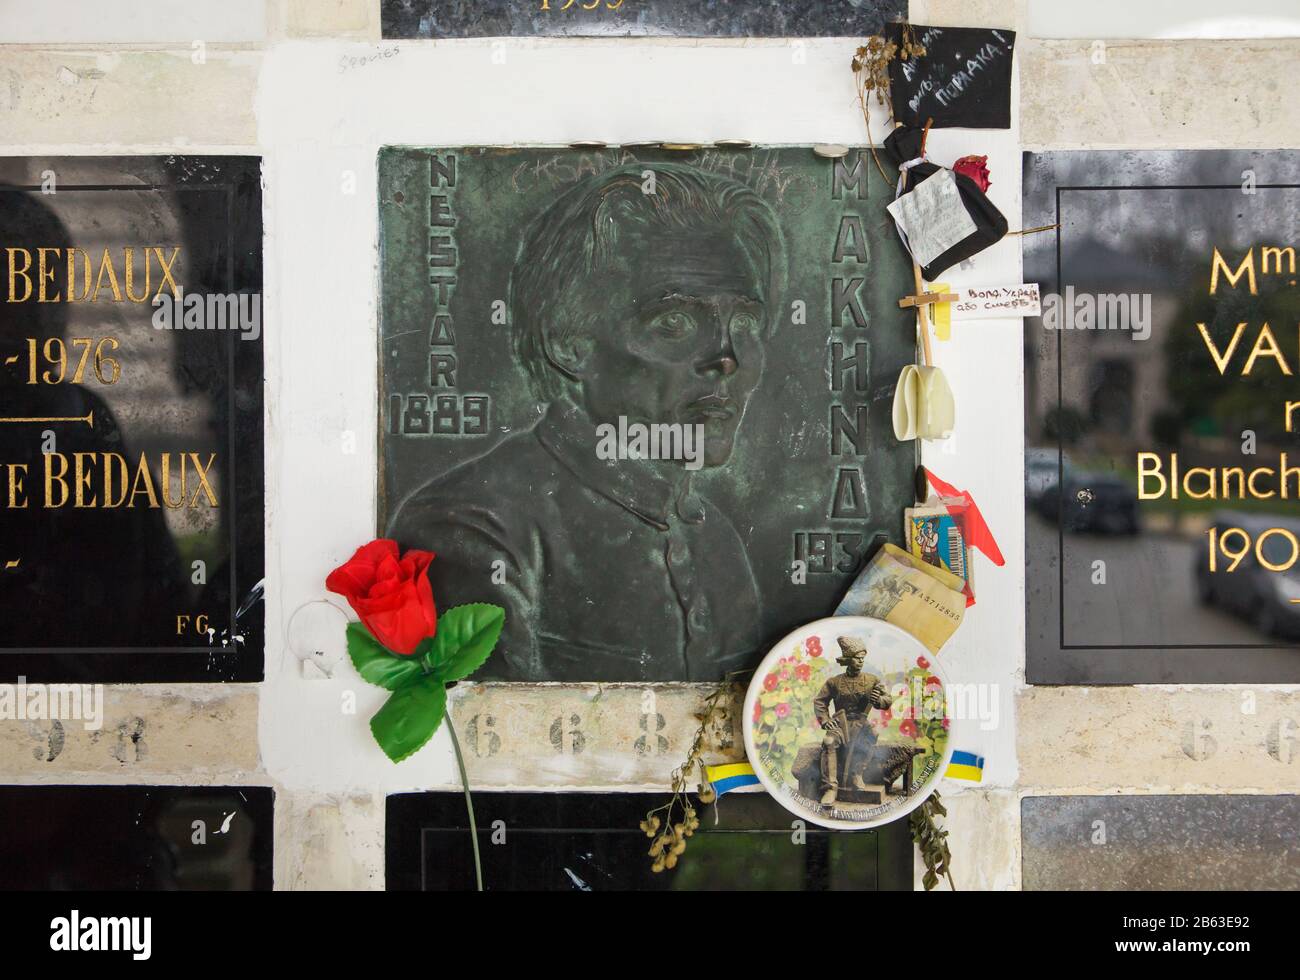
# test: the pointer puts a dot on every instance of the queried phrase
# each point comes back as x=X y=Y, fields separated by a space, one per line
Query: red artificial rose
x=976 y=168
x=391 y=595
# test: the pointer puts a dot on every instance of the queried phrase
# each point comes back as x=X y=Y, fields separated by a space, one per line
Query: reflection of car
x=1252 y=591
x=1091 y=502
x=1042 y=471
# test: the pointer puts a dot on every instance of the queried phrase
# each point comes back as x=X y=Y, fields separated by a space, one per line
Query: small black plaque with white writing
x=962 y=81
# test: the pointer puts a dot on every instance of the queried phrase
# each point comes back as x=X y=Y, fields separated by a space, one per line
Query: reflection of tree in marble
x=1205 y=403
x=1125 y=229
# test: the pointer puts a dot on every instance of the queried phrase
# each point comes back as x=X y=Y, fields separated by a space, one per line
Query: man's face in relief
x=678 y=336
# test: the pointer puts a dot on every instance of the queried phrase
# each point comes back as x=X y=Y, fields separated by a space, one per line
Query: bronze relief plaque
x=641 y=398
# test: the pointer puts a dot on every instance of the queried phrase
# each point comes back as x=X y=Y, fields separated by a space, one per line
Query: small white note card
x=987 y=302
x=932 y=216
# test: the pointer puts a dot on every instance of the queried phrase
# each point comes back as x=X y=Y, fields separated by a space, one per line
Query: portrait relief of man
x=632 y=301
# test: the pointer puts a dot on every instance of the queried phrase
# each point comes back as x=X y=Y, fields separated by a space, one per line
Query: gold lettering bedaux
x=131 y=274
x=107 y=481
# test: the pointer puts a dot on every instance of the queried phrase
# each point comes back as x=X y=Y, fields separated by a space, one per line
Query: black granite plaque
x=136 y=838
x=621 y=18
x=640 y=399
x=1136 y=388
x=131 y=419
x=1160 y=843
x=591 y=842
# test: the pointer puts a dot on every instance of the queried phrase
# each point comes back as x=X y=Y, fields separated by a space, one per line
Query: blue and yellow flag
x=731 y=776
x=966 y=765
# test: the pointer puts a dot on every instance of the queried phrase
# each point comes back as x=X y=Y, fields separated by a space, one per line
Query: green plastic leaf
x=375 y=663
x=410 y=717
x=466 y=636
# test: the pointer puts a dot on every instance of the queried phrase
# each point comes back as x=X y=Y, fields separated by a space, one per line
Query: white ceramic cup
x=923 y=404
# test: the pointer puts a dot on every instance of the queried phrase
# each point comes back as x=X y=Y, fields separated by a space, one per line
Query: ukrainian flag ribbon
x=731 y=776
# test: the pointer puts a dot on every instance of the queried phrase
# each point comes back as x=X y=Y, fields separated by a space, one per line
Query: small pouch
x=903 y=146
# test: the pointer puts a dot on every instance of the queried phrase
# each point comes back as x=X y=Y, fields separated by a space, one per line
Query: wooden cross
x=921 y=298
x=925 y=299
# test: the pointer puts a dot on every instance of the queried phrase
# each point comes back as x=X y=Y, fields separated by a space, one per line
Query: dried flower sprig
x=871 y=65
x=871 y=70
x=932 y=841
x=669 y=837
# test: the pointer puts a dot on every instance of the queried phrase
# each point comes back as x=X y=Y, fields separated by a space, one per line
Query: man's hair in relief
x=579 y=235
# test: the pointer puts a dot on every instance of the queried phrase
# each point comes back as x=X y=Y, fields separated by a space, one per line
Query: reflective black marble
x=1160 y=843
x=590 y=842
x=1119 y=590
x=136 y=838
x=159 y=584
x=677 y=18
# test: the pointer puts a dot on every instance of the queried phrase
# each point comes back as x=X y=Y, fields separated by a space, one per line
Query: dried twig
x=1034 y=231
x=670 y=842
x=932 y=841
x=871 y=69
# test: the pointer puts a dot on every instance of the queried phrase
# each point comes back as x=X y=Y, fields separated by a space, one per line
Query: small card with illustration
x=935 y=536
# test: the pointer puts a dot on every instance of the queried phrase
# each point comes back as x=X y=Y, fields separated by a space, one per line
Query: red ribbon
x=961 y=505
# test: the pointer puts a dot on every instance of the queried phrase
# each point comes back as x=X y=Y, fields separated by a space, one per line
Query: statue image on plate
x=637 y=379
x=853 y=747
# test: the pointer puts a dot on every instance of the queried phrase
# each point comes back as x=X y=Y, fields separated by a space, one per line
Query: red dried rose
x=390 y=594
x=976 y=168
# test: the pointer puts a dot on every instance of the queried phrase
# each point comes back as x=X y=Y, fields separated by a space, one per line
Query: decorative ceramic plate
x=846 y=722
